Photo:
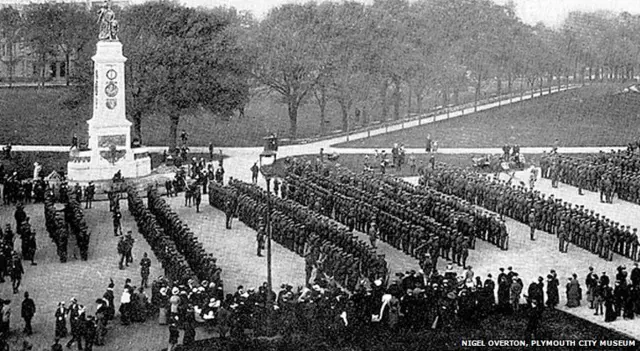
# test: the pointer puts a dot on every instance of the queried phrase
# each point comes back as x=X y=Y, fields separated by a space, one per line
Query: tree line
x=392 y=52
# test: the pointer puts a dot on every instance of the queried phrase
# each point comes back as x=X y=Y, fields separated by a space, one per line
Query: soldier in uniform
x=89 y=194
x=197 y=197
x=532 y=224
x=260 y=238
x=504 y=236
x=373 y=234
x=117 y=227
x=633 y=243
x=562 y=237
x=229 y=211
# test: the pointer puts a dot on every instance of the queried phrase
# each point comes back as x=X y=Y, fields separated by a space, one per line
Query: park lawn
x=592 y=115
x=32 y=116
x=554 y=325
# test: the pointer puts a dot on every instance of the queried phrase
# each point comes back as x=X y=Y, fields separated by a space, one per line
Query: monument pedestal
x=109 y=130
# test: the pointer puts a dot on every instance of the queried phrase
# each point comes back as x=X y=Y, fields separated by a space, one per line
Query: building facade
x=19 y=65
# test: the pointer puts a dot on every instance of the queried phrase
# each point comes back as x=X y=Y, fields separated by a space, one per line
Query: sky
x=550 y=12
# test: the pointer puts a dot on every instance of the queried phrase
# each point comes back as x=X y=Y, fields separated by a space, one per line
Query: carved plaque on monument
x=108 y=140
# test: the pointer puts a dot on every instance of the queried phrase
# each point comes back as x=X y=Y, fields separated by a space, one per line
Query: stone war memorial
x=109 y=148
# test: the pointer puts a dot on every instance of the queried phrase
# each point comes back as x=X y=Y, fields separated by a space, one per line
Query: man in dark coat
x=19 y=215
x=535 y=314
x=28 y=311
x=145 y=264
x=553 y=295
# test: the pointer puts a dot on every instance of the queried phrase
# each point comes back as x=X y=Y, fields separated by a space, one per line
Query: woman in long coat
x=61 y=321
x=573 y=293
x=609 y=313
x=553 y=295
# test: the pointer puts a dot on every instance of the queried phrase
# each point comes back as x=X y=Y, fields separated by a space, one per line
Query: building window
x=52 y=70
x=63 y=69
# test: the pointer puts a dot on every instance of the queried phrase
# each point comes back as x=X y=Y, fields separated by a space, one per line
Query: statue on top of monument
x=108 y=23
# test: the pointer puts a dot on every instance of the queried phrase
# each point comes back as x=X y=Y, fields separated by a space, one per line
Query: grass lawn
x=33 y=116
x=589 y=116
x=555 y=325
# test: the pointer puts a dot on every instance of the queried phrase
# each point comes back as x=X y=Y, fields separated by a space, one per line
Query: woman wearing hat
x=163 y=304
x=174 y=332
x=61 y=321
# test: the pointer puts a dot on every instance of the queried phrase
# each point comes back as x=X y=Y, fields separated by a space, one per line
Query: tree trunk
x=477 y=95
x=174 y=118
x=541 y=85
x=66 y=63
x=397 y=95
x=456 y=96
x=445 y=96
x=11 y=64
x=321 y=98
x=384 y=110
x=44 y=69
x=550 y=81
x=345 y=114
x=419 y=98
x=365 y=116
x=293 y=117
x=499 y=87
x=533 y=87
x=409 y=99
x=137 y=125
x=590 y=74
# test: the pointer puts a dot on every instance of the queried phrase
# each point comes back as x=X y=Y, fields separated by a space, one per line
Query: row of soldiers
x=319 y=234
x=609 y=173
x=436 y=223
x=463 y=216
x=373 y=221
x=56 y=226
x=174 y=263
x=327 y=246
x=582 y=174
x=74 y=217
x=26 y=234
x=574 y=224
x=202 y=263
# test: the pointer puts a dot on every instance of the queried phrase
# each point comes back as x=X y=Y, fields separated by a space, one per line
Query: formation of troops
x=202 y=263
x=614 y=173
x=178 y=251
x=70 y=221
x=328 y=247
x=423 y=223
x=570 y=223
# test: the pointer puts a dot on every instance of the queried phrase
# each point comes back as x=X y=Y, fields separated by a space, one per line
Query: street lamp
x=267 y=162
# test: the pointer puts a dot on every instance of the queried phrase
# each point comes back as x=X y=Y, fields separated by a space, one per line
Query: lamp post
x=267 y=174
x=268 y=229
